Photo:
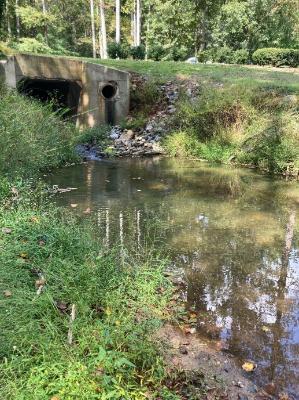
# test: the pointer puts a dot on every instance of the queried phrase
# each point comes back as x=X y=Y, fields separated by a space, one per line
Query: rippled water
x=233 y=232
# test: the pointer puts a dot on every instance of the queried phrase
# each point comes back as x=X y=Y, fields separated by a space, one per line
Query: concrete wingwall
x=104 y=94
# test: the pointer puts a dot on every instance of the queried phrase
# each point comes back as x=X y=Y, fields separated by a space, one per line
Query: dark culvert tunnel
x=63 y=95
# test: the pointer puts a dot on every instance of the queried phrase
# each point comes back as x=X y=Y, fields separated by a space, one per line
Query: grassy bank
x=32 y=137
x=53 y=269
x=117 y=309
x=242 y=115
x=241 y=125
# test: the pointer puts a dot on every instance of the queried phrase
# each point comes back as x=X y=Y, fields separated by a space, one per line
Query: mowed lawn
x=286 y=78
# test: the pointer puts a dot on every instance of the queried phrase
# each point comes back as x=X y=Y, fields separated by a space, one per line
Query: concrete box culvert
x=110 y=105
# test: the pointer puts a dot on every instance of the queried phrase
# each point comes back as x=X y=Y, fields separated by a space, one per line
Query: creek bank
x=145 y=140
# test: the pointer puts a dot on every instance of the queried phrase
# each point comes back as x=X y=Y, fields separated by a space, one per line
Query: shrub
x=224 y=55
x=5 y=51
x=118 y=50
x=156 y=52
x=84 y=47
x=276 y=57
x=177 y=54
x=206 y=55
x=240 y=56
x=32 y=45
x=138 y=52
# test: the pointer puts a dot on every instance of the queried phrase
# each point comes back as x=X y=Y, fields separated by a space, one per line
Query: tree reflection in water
x=234 y=232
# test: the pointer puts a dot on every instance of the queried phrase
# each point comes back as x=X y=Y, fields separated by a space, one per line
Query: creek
x=232 y=234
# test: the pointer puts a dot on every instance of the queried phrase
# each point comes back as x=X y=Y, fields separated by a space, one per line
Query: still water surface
x=234 y=233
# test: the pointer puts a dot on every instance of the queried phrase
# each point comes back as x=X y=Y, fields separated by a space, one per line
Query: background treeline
x=215 y=30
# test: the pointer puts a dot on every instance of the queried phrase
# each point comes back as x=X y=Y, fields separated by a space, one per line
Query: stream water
x=233 y=233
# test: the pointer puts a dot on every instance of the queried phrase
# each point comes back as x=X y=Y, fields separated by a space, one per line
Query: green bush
x=5 y=51
x=177 y=54
x=224 y=55
x=138 y=52
x=276 y=57
x=156 y=53
x=240 y=56
x=206 y=55
x=118 y=50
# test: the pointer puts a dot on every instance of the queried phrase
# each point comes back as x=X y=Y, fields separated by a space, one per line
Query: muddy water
x=233 y=233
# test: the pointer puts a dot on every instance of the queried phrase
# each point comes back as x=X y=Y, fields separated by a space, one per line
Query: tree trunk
x=138 y=22
x=102 y=33
x=147 y=32
x=117 y=21
x=93 y=31
x=17 y=20
x=133 y=26
x=45 y=14
x=8 y=19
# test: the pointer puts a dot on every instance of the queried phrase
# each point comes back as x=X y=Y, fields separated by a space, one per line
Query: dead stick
x=72 y=319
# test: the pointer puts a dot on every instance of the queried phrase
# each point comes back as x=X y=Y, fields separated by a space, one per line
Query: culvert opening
x=109 y=91
x=63 y=95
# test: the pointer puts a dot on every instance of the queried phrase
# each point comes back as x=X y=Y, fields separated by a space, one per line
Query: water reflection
x=234 y=232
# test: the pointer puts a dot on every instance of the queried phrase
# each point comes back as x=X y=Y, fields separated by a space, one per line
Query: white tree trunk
x=138 y=22
x=17 y=20
x=133 y=26
x=103 y=34
x=93 y=30
x=117 y=21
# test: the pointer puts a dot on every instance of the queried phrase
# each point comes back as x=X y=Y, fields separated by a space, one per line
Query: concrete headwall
x=104 y=95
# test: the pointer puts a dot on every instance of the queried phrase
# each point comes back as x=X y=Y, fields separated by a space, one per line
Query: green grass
x=32 y=137
x=119 y=304
x=238 y=124
x=205 y=73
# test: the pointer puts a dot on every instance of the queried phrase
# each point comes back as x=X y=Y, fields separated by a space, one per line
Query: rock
x=158 y=149
x=114 y=135
x=126 y=136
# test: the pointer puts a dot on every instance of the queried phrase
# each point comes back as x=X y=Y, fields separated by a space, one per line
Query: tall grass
x=241 y=124
x=118 y=307
x=32 y=137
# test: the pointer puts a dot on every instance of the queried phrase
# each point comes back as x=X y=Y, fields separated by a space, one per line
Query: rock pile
x=145 y=141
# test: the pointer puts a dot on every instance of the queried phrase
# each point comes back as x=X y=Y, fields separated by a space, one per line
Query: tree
x=117 y=21
x=102 y=32
x=93 y=31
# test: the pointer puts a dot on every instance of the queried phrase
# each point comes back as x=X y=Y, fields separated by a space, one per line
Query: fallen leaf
x=55 y=398
x=74 y=205
x=7 y=293
x=270 y=388
x=87 y=211
x=249 y=366
x=7 y=231
x=34 y=219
